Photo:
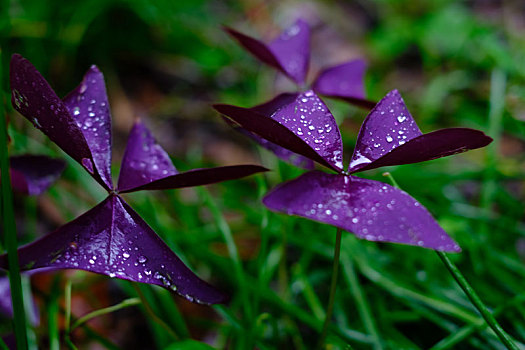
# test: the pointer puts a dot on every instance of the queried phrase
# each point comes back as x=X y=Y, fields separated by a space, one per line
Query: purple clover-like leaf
x=389 y=136
x=370 y=209
x=144 y=160
x=345 y=82
x=35 y=99
x=88 y=104
x=111 y=239
x=309 y=118
x=197 y=177
x=32 y=175
x=146 y=166
x=267 y=109
x=289 y=53
x=292 y=50
x=304 y=126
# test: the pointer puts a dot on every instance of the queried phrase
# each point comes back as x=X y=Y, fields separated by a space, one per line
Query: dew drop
x=401 y=118
x=142 y=259
x=389 y=138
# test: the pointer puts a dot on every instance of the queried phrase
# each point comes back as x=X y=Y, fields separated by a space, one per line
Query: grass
x=455 y=64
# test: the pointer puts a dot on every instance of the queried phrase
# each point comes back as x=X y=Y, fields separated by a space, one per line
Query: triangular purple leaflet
x=89 y=106
x=270 y=130
x=435 y=144
x=345 y=82
x=197 y=177
x=32 y=174
x=268 y=108
x=292 y=50
x=35 y=99
x=390 y=136
x=289 y=53
x=370 y=209
x=111 y=239
x=144 y=160
x=309 y=118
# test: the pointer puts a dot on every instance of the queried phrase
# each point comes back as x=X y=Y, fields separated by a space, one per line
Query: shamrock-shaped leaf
x=370 y=209
x=32 y=175
x=290 y=54
x=111 y=238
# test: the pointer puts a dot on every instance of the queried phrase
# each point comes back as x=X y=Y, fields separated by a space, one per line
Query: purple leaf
x=289 y=53
x=388 y=126
x=32 y=175
x=345 y=82
x=389 y=136
x=144 y=160
x=309 y=118
x=35 y=99
x=197 y=177
x=436 y=144
x=267 y=109
x=111 y=239
x=88 y=104
x=304 y=126
x=270 y=130
x=292 y=50
x=370 y=209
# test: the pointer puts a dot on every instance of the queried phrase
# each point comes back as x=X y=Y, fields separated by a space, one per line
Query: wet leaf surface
x=370 y=209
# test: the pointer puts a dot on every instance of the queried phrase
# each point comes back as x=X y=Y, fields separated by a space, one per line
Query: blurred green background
x=456 y=63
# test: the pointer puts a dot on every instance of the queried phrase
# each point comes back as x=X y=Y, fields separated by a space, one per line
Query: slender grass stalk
x=476 y=301
x=104 y=311
x=471 y=293
x=3 y=345
x=52 y=316
x=362 y=304
x=466 y=331
x=224 y=228
x=333 y=285
x=152 y=314
x=10 y=231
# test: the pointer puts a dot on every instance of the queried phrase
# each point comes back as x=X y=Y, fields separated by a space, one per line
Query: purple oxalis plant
x=290 y=54
x=110 y=239
x=370 y=209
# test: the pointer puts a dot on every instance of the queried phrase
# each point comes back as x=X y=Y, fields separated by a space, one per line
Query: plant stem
x=333 y=285
x=471 y=293
x=10 y=231
x=122 y=305
x=476 y=301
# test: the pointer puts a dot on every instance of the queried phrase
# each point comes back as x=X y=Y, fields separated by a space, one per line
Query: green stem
x=10 y=232
x=476 y=301
x=361 y=301
x=122 y=305
x=333 y=285
x=471 y=293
